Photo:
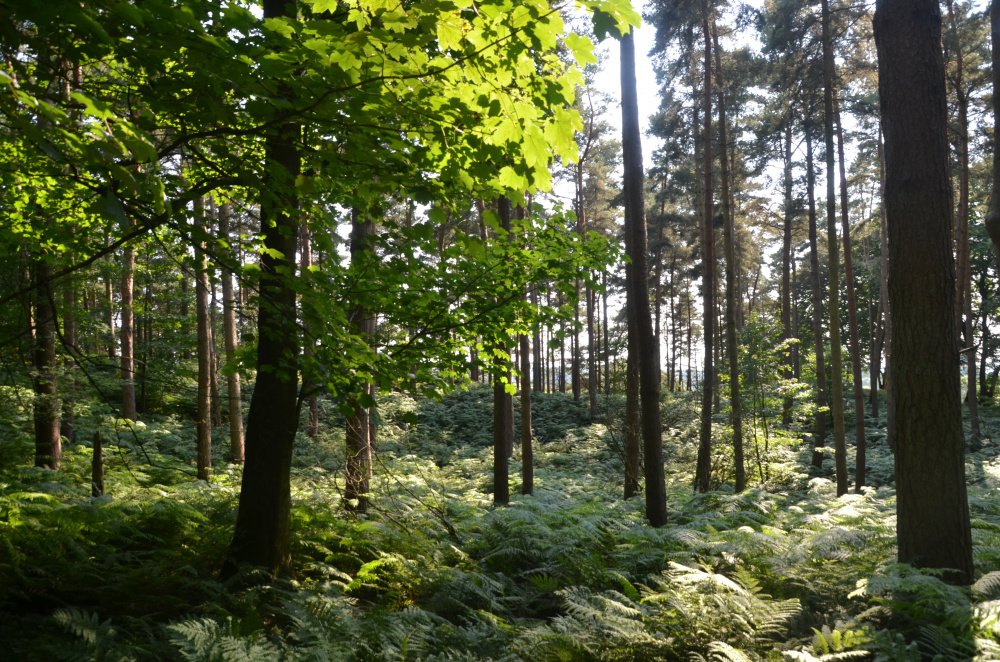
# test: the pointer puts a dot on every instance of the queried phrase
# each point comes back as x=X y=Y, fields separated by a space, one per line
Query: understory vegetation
x=785 y=570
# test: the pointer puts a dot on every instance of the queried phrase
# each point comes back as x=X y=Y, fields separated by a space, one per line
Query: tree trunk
x=704 y=468
x=817 y=299
x=97 y=467
x=48 y=445
x=786 y=268
x=358 y=433
x=964 y=284
x=203 y=423
x=890 y=412
x=932 y=511
x=69 y=365
x=261 y=536
x=729 y=220
x=110 y=319
x=992 y=220
x=312 y=428
x=229 y=331
x=527 y=457
x=607 y=352
x=635 y=233
x=503 y=404
x=852 y=312
x=833 y=251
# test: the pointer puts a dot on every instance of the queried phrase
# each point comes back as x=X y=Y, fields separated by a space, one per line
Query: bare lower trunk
x=527 y=458
x=890 y=413
x=48 y=445
x=229 y=331
x=263 y=523
x=204 y=423
x=97 y=467
x=932 y=511
x=786 y=269
x=852 y=312
x=817 y=299
x=732 y=341
x=992 y=220
x=638 y=293
x=358 y=432
x=704 y=467
x=833 y=252
x=66 y=426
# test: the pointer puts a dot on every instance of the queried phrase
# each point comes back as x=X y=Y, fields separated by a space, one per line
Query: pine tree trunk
x=786 y=268
x=890 y=412
x=503 y=404
x=852 y=312
x=127 y=330
x=48 y=445
x=964 y=284
x=992 y=220
x=527 y=457
x=817 y=299
x=66 y=426
x=704 y=466
x=633 y=421
x=358 y=433
x=833 y=251
x=229 y=332
x=932 y=511
x=312 y=428
x=729 y=220
x=203 y=422
x=635 y=233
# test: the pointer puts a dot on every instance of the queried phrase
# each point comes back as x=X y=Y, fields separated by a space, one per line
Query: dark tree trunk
x=729 y=220
x=852 y=314
x=127 y=330
x=358 y=433
x=97 y=467
x=932 y=511
x=229 y=331
x=261 y=536
x=204 y=423
x=527 y=457
x=48 y=445
x=992 y=220
x=833 y=251
x=503 y=404
x=312 y=427
x=817 y=299
x=704 y=467
x=607 y=352
x=638 y=294
x=890 y=413
x=786 y=268
x=964 y=284
x=633 y=419
x=69 y=365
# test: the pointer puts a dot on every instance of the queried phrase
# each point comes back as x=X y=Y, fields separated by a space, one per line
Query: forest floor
x=784 y=570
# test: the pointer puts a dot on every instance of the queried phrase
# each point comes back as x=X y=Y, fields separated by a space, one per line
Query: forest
x=378 y=330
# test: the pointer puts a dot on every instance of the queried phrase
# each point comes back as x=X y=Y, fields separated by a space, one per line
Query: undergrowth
x=784 y=570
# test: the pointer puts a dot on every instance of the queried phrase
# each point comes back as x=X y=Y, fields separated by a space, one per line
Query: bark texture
x=732 y=339
x=932 y=511
x=204 y=421
x=48 y=445
x=819 y=439
x=229 y=331
x=703 y=470
x=263 y=523
x=635 y=232
x=833 y=252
